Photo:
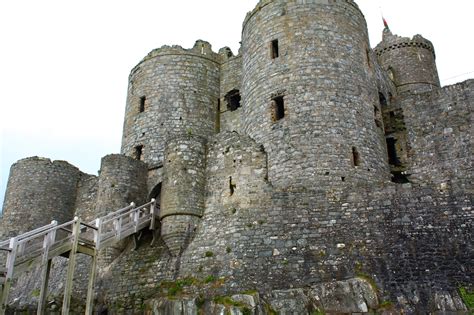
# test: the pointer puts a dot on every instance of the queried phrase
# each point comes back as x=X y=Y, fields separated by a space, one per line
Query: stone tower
x=170 y=113
x=38 y=191
x=410 y=62
x=310 y=93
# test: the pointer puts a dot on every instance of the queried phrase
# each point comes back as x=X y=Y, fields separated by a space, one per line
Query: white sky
x=64 y=64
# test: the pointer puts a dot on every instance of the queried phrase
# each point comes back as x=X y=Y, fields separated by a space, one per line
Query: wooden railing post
x=9 y=274
x=98 y=232
x=136 y=217
x=118 y=227
x=48 y=241
x=152 y=214
x=76 y=229
x=93 y=270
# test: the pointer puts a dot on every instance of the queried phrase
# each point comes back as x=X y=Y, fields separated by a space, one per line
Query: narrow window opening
x=278 y=108
x=274 y=49
x=343 y=179
x=218 y=116
x=233 y=100
x=377 y=117
x=142 y=104
x=138 y=152
x=367 y=52
x=355 y=157
x=392 y=152
x=382 y=100
x=231 y=186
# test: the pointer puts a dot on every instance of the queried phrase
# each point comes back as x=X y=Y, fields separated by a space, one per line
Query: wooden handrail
x=47 y=246
x=120 y=210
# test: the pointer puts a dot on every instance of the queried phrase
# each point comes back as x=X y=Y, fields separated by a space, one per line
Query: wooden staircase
x=38 y=247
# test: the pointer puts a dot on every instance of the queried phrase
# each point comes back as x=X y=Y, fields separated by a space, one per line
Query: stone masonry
x=306 y=174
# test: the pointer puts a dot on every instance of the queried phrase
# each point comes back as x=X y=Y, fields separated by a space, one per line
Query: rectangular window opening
x=142 y=104
x=233 y=99
x=355 y=157
x=278 y=108
x=274 y=49
x=392 y=152
x=138 y=152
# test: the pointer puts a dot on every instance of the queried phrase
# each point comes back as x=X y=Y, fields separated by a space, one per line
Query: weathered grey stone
x=287 y=302
x=340 y=161
x=350 y=296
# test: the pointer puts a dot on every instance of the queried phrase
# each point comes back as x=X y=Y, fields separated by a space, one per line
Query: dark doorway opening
x=233 y=99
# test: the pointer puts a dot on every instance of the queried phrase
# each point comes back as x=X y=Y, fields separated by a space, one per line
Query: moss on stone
x=467 y=297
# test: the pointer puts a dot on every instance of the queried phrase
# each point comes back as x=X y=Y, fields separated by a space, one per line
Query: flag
x=385 y=23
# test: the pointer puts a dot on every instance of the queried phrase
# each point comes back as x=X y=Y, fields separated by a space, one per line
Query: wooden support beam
x=44 y=287
x=9 y=274
x=71 y=266
x=90 y=286
x=45 y=269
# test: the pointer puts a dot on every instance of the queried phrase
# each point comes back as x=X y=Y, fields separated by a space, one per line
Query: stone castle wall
x=400 y=237
x=439 y=126
x=231 y=79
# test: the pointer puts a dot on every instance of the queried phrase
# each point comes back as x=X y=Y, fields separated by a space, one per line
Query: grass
x=176 y=287
x=228 y=301
x=467 y=297
x=209 y=279
x=369 y=279
x=386 y=304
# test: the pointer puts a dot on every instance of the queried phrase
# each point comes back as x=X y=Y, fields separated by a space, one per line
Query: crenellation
x=307 y=173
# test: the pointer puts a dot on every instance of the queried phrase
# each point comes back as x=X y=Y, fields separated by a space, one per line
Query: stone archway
x=156 y=193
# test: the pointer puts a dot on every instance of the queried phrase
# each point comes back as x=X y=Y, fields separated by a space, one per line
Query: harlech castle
x=306 y=174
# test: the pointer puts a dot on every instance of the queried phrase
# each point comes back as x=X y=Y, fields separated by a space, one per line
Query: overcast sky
x=64 y=64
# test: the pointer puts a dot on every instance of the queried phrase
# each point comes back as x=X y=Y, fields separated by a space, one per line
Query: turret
x=122 y=180
x=183 y=190
x=39 y=190
x=410 y=63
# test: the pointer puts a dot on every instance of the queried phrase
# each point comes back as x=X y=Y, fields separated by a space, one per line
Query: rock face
x=321 y=174
x=350 y=296
x=341 y=297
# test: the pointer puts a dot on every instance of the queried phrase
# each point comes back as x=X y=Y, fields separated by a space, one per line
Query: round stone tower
x=182 y=199
x=172 y=91
x=410 y=63
x=309 y=93
x=122 y=180
x=38 y=192
x=172 y=103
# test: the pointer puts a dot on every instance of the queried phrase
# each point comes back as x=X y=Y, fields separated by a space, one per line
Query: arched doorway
x=156 y=194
